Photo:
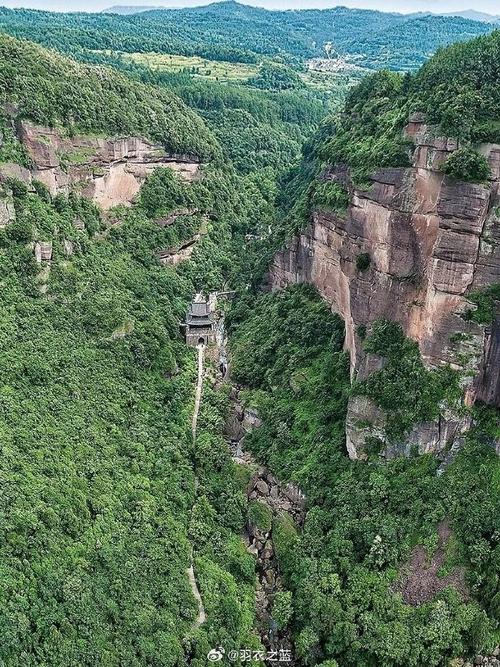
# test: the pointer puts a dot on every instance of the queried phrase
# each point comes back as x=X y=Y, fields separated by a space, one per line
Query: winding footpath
x=201 y=618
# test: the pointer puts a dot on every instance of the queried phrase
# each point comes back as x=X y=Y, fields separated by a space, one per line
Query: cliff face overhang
x=431 y=241
x=110 y=171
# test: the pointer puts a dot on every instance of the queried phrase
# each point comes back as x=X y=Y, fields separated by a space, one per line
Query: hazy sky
x=490 y=6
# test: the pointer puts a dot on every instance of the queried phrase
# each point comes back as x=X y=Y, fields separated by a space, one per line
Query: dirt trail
x=199 y=388
x=201 y=618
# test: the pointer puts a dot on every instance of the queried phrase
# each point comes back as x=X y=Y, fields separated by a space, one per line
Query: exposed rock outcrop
x=174 y=256
x=431 y=240
x=13 y=170
x=69 y=247
x=43 y=251
x=7 y=210
x=183 y=251
x=110 y=171
x=170 y=219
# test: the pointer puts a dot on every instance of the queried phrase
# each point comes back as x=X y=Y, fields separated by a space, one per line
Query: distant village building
x=200 y=324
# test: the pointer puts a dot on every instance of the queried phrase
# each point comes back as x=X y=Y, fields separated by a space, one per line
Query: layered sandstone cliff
x=431 y=241
x=110 y=171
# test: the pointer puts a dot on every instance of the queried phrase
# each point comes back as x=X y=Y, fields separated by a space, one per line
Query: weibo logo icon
x=216 y=654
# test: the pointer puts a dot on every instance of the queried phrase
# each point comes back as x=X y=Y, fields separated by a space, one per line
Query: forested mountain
x=407 y=45
x=88 y=99
x=235 y=32
x=456 y=90
x=337 y=496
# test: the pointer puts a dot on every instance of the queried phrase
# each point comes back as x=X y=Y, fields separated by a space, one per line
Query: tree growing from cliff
x=406 y=391
x=466 y=164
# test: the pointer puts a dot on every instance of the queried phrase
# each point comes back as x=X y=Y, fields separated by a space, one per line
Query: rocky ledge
x=110 y=171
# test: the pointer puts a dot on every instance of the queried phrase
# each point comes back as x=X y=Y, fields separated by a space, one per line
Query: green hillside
x=405 y=46
x=83 y=98
x=455 y=89
x=100 y=514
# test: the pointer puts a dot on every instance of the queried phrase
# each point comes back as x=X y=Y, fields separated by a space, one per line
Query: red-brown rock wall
x=431 y=241
x=110 y=171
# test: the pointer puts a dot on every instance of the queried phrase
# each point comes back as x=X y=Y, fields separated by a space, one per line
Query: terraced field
x=209 y=69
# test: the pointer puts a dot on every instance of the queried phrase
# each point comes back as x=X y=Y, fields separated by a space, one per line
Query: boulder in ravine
x=262 y=487
x=251 y=419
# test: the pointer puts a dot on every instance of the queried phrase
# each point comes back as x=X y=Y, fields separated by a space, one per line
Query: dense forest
x=85 y=99
x=106 y=498
x=241 y=33
x=99 y=506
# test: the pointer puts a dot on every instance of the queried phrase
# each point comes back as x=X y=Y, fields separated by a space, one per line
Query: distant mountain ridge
x=125 y=10
x=470 y=14
x=230 y=31
x=474 y=15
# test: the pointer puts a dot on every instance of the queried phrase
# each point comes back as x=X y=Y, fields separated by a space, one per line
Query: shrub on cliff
x=363 y=261
x=487 y=303
x=331 y=196
x=466 y=164
x=404 y=388
x=259 y=516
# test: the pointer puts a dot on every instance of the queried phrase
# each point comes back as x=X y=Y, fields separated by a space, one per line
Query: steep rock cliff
x=431 y=241
x=110 y=171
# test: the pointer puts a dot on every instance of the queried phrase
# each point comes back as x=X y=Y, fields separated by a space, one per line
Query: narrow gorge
x=250 y=357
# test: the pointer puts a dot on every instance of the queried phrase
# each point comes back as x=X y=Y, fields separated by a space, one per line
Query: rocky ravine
x=281 y=500
x=431 y=241
x=110 y=171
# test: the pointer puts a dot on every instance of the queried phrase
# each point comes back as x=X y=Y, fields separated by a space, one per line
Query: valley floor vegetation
x=364 y=520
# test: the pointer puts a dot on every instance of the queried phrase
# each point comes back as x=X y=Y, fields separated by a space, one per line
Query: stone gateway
x=200 y=325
